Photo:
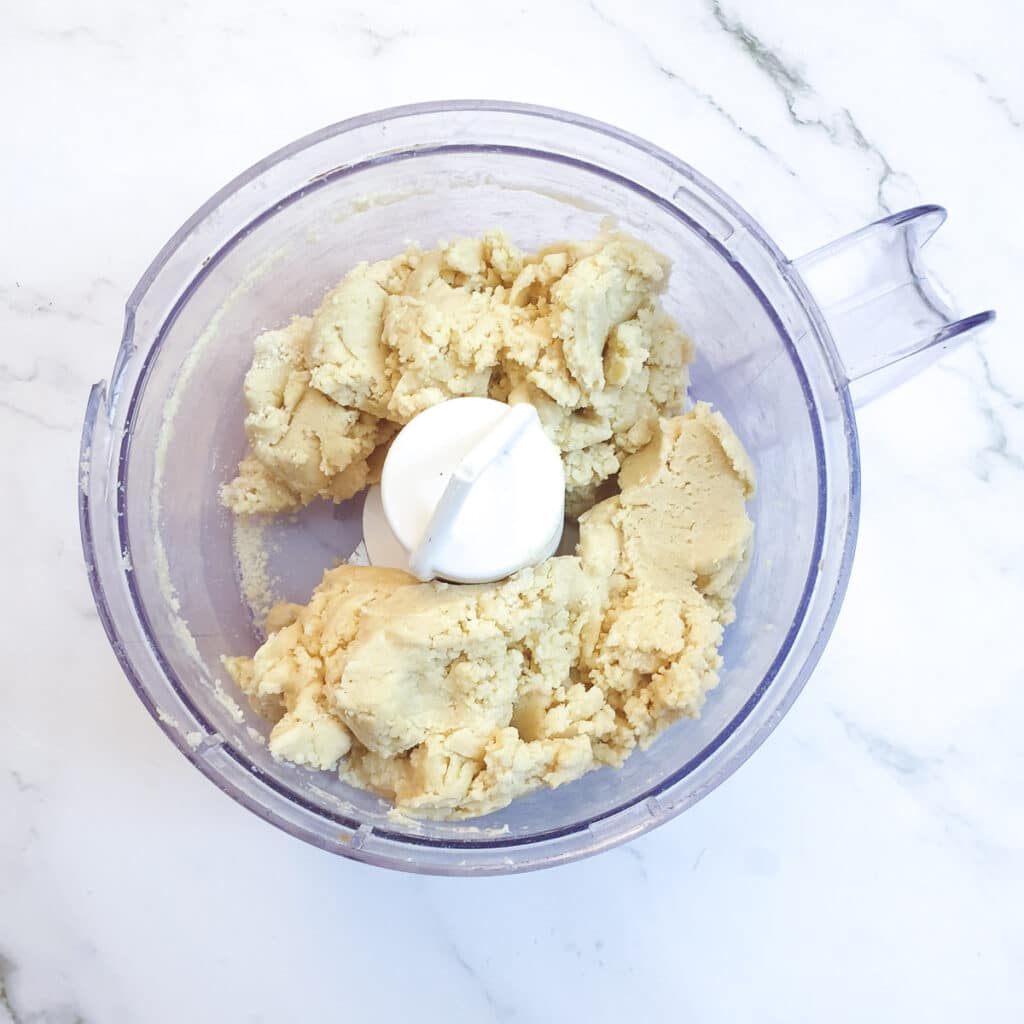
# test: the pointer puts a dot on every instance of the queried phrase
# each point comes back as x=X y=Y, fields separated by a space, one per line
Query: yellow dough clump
x=576 y=329
x=454 y=700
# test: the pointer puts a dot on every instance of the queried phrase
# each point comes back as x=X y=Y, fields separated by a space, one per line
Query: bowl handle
x=888 y=320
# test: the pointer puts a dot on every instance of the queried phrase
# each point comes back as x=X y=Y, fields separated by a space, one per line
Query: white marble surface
x=867 y=864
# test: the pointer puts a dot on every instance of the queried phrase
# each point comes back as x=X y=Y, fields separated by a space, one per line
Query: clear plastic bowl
x=167 y=431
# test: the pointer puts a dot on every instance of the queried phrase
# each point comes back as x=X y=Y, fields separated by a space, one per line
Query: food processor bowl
x=167 y=431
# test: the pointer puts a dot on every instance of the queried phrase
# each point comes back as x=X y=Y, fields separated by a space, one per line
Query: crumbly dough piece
x=285 y=680
x=453 y=700
x=303 y=444
x=576 y=329
x=669 y=551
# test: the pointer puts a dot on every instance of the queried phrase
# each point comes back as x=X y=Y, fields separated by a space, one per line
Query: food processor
x=785 y=349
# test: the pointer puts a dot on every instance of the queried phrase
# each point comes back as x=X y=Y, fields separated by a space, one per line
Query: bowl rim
x=608 y=836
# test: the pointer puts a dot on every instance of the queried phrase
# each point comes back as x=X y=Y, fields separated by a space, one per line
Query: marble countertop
x=866 y=864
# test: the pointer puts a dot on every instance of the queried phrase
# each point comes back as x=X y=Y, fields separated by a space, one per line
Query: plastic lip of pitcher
x=853 y=319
